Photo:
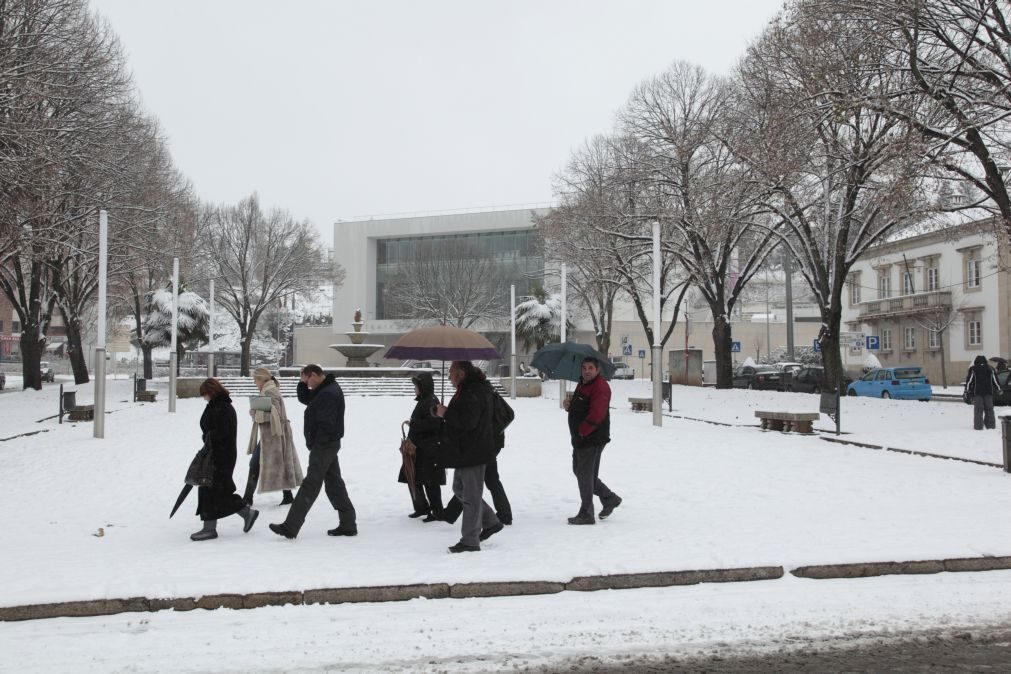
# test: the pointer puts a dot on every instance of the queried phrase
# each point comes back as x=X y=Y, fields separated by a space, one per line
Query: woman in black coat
x=424 y=433
x=218 y=425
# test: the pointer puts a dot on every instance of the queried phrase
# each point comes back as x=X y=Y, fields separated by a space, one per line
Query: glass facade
x=515 y=253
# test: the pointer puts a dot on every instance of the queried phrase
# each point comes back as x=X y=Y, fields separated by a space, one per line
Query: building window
x=1 y=327
x=933 y=339
x=975 y=333
x=884 y=286
x=854 y=289
x=973 y=273
x=907 y=283
x=933 y=282
x=909 y=339
x=15 y=327
x=886 y=340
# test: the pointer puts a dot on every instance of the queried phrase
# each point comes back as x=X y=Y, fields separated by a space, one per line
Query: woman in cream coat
x=274 y=464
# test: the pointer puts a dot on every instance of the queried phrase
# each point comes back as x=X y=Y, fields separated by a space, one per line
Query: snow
x=696 y=496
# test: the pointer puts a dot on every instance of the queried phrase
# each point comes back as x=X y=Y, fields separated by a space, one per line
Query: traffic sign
x=852 y=339
x=642 y=353
x=873 y=343
x=817 y=346
x=735 y=347
x=627 y=349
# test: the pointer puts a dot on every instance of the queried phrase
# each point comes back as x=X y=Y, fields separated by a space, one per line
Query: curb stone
x=103 y=607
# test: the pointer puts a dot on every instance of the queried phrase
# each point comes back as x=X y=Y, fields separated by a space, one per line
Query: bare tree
x=837 y=174
x=681 y=118
x=256 y=259
x=454 y=282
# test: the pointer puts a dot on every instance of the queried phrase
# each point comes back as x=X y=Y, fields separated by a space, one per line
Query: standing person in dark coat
x=218 y=426
x=468 y=443
x=980 y=386
x=323 y=428
x=424 y=433
x=590 y=430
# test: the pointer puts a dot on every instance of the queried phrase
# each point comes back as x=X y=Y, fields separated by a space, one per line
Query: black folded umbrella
x=183 y=493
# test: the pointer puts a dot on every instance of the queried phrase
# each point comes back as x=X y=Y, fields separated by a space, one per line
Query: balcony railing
x=906 y=305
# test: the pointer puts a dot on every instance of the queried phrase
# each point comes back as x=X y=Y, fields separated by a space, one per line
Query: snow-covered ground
x=696 y=496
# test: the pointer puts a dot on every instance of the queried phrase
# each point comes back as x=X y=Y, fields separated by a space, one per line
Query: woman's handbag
x=201 y=470
x=407 y=453
x=260 y=403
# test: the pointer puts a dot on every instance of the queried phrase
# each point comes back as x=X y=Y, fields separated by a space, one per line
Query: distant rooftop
x=455 y=211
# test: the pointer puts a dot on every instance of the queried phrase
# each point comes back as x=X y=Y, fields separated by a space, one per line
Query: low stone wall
x=526 y=387
x=188 y=387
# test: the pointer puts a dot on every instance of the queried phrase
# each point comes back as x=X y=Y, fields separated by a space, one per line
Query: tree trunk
x=944 y=373
x=77 y=361
x=148 y=362
x=31 y=357
x=244 y=358
x=831 y=358
x=722 y=339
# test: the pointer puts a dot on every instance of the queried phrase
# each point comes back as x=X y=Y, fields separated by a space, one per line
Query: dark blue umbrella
x=564 y=360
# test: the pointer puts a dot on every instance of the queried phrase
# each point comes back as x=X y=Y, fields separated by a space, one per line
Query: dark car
x=762 y=377
x=812 y=379
x=3 y=380
x=46 y=370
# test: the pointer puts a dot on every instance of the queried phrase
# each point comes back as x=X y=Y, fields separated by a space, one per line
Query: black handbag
x=201 y=470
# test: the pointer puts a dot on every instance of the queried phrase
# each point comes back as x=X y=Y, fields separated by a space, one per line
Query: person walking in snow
x=980 y=387
x=274 y=464
x=218 y=425
x=468 y=443
x=590 y=431
x=323 y=427
x=424 y=433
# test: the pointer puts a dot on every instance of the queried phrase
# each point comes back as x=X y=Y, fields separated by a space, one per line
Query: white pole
x=103 y=272
x=512 y=359
x=175 y=321
x=210 y=333
x=657 y=349
x=561 y=382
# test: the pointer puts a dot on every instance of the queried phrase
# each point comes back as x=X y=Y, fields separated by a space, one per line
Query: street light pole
x=173 y=357
x=561 y=382
x=103 y=271
x=512 y=358
x=657 y=348
x=210 y=333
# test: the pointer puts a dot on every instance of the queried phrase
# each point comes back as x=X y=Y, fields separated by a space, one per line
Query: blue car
x=901 y=383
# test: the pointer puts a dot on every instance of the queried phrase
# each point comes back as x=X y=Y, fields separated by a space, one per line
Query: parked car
x=762 y=377
x=47 y=371
x=622 y=369
x=812 y=379
x=789 y=367
x=426 y=365
x=3 y=380
x=901 y=383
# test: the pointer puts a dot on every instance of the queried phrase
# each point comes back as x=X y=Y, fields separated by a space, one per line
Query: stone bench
x=147 y=396
x=82 y=413
x=798 y=422
x=641 y=404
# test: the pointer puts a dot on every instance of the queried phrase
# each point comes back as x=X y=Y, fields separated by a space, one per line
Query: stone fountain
x=357 y=352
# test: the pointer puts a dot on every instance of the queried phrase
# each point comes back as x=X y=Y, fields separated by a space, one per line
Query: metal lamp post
x=103 y=254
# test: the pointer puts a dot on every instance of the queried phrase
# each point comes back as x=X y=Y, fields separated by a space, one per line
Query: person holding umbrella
x=218 y=424
x=468 y=444
x=424 y=433
x=590 y=430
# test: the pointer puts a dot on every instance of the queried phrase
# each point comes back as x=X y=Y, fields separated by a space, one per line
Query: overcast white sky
x=335 y=110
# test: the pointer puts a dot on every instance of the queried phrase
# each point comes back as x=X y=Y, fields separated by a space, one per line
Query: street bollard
x=1005 y=425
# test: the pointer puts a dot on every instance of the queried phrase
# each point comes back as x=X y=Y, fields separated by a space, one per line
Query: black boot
x=452 y=510
x=287 y=498
x=434 y=493
x=251 y=481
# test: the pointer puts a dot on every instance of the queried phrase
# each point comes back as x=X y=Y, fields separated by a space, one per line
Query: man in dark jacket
x=323 y=428
x=980 y=386
x=468 y=444
x=590 y=430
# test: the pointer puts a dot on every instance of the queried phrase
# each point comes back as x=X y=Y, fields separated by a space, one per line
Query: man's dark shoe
x=609 y=506
x=582 y=519
x=491 y=531
x=281 y=530
x=418 y=513
x=343 y=531
x=432 y=517
x=463 y=547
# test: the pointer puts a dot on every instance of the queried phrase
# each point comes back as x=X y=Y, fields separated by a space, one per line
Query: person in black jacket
x=980 y=386
x=323 y=428
x=468 y=444
x=218 y=426
x=424 y=433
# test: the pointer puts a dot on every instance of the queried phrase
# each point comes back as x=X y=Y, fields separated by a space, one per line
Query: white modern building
x=934 y=298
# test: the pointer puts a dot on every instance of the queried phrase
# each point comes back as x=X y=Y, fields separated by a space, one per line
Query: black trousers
x=498 y=496
x=586 y=467
x=324 y=471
